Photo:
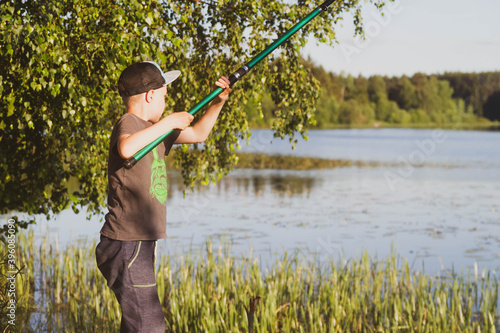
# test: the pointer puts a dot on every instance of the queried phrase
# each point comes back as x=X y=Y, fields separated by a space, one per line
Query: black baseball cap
x=142 y=77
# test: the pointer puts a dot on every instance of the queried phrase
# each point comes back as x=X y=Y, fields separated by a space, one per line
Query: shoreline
x=481 y=126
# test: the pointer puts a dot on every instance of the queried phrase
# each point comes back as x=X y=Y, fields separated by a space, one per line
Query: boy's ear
x=149 y=95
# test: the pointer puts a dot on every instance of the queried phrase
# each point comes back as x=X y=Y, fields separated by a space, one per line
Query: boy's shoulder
x=128 y=117
x=131 y=120
x=129 y=124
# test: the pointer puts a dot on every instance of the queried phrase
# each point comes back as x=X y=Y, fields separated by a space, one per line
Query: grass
x=207 y=291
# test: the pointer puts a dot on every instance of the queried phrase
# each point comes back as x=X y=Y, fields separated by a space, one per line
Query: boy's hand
x=180 y=120
x=199 y=131
x=222 y=82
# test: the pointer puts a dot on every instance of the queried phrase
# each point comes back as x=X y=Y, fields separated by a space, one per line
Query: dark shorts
x=129 y=268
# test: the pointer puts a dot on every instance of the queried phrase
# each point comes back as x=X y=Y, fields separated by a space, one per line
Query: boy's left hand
x=223 y=82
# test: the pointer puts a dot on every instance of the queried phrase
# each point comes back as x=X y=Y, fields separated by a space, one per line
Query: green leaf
x=61 y=71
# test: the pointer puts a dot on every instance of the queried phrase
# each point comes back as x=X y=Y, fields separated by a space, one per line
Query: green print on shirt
x=158 y=187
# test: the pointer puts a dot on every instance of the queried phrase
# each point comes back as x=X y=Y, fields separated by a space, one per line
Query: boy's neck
x=139 y=111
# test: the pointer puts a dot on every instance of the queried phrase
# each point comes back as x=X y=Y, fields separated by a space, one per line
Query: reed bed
x=287 y=162
x=208 y=290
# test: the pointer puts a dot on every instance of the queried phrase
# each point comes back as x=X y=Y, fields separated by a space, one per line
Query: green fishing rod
x=233 y=78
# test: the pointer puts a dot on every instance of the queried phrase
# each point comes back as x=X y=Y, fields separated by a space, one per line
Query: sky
x=427 y=36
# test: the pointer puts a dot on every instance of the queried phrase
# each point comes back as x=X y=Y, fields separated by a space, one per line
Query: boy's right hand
x=180 y=120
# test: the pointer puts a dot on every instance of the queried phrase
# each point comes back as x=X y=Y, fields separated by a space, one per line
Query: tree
x=350 y=112
x=406 y=97
x=327 y=111
x=361 y=90
x=60 y=61
x=377 y=89
x=492 y=107
x=474 y=88
x=385 y=108
x=435 y=98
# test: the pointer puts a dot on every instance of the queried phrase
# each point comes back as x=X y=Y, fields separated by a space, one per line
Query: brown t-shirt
x=137 y=197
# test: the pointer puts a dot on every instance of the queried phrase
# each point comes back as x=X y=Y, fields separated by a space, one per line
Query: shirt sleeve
x=126 y=125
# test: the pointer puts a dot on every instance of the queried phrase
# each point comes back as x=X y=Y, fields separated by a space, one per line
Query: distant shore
x=485 y=125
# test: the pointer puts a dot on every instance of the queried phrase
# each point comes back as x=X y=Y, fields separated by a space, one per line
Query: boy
x=137 y=197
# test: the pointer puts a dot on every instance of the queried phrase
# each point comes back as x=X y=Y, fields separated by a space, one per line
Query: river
x=434 y=201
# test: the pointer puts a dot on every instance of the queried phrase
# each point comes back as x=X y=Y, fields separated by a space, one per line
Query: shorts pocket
x=135 y=254
x=141 y=265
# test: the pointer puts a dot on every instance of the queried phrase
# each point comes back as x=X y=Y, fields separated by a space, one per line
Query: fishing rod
x=233 y=78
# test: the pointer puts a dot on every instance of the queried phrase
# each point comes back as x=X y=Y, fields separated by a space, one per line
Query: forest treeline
x=450 y=99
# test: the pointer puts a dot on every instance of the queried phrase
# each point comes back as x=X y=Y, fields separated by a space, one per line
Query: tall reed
x=207 y=291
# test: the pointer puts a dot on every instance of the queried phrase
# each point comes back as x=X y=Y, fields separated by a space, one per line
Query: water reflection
x=279 y=183
x=445 y=217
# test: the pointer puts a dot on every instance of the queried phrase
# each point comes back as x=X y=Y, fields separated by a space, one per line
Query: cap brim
x=171 y=76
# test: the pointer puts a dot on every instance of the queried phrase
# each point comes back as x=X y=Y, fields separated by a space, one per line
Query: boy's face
x=158 y=103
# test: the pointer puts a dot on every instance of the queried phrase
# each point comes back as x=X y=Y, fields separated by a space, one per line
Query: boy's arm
x=199 y=131
x=129 y=144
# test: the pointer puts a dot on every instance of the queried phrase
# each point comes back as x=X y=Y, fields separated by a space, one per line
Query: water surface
x=438 y=205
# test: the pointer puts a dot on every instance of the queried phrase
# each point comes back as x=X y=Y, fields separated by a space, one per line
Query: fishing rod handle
x=128 y=164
